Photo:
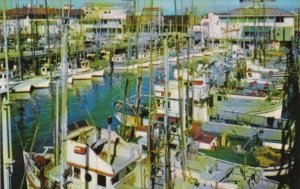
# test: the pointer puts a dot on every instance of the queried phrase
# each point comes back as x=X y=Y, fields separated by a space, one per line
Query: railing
x=218 y=115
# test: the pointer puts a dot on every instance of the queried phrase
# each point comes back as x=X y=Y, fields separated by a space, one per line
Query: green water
x=90 y=100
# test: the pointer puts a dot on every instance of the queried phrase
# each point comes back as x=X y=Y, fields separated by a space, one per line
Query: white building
x=250 y=23
x=104 y=21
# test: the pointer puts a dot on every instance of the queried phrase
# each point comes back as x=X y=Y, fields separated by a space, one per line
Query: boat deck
x=245 y=131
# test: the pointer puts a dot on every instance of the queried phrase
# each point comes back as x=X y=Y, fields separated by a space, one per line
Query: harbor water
x=92 y=100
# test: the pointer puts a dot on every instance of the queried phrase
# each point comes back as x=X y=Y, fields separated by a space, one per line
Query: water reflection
x=33 y=114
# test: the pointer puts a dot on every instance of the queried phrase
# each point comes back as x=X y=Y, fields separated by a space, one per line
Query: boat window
x=280 y=19
x=219 y=98
x=4 y=76
x=0 y=76
x=76 y=173
x=101 y=180
x=115 y=179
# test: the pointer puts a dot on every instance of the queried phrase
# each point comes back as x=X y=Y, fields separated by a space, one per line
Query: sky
x=168 y=5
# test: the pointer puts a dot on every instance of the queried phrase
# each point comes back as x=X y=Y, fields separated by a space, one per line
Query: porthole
x=88 y=177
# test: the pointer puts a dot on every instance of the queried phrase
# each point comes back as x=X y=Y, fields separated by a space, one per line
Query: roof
x=206 y=138
x=256 y=12
x=42 y=11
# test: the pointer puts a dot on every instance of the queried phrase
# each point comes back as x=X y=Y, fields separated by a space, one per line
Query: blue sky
x=168 y=5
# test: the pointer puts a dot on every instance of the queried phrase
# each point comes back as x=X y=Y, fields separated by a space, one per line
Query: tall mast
x=6 y=122
x=151 y=108
x=20 y=66
x=167 y=175
x=175 y=11
x=181 y=107
x=64 y=94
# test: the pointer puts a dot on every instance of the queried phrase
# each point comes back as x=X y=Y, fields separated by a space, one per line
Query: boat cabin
x=95 y=158
x=98 y=160
x=45 y=70
x=85 y=64
x=3 y=76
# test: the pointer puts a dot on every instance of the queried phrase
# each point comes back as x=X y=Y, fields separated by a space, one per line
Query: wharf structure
x=250 y=23
x=30 y=19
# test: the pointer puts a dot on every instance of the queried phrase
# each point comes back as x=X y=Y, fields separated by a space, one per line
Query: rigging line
x=18 y=133
x=47 y=136
x=119 y=84
x=35 y=133
x=22 y=181
x=87 y=110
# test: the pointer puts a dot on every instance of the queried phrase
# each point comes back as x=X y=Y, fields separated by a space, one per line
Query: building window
x=101 y=180
x=219 y=98
x=279 y=19
x=158 y=102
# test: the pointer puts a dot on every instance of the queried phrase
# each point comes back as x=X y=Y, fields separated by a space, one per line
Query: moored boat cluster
x=215 y=112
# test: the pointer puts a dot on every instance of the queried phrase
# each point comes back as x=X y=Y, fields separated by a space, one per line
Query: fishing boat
x=84 y=72
x=30 y=84
x=3 y=81
x=203 y=172
x=244 y=90
x=214 y=121
x=261 y=145
x=126 y=112
x=17 y=85
x=96 y=158
x=200 y=170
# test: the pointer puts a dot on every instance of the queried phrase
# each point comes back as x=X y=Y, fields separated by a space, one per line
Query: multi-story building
x=28 y=19
x=250 y=24
x=103 y=21
x=33 y=27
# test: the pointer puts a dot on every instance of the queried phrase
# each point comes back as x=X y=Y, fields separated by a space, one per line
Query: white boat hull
x=82 y=76
x=22 y=88
x=99 y=73
x=41 y=83
x=70 y=80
